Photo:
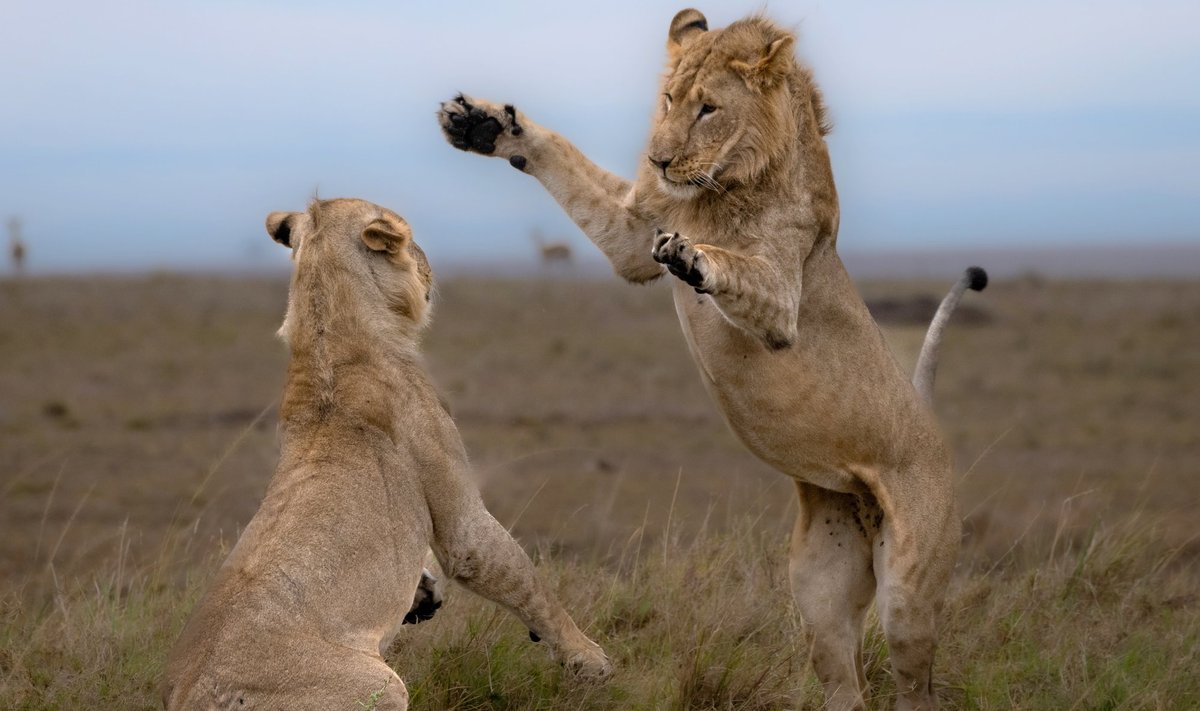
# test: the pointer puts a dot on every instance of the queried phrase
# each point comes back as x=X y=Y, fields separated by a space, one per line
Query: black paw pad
x=690 y=276
x=518 y=162
x=425 y=610
x=680 y=258
x=482 y=131
x=474 y=130
x=533 y=637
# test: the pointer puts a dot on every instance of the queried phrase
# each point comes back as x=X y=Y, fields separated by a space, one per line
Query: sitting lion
x=371 y=475
x=738 y=174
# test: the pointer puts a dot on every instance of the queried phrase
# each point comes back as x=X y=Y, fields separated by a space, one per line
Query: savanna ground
x=137 y=434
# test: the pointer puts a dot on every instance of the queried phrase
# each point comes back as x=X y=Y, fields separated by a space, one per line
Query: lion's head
x=733 y=101
x=353 y=246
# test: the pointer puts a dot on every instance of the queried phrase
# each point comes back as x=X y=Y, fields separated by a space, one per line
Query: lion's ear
x=387 y=235
x=279 y=226
x=769 y=67
x=687 y=25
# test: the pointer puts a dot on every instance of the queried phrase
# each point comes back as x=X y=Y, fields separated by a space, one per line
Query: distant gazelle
x=16 y=245
x=554 y=252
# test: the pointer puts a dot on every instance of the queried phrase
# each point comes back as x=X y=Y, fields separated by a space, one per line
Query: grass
x=96 y=645
x=138 y=435
x=1110 y=624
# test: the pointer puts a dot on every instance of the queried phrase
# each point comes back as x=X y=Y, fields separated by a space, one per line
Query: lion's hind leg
x=310 y=675
x=833 y=584
x=362 y=683
x=913 y=562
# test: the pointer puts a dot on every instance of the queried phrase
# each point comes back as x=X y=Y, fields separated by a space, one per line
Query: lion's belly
x=774 y=401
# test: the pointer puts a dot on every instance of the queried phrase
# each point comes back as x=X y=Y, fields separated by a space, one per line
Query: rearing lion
x=737 y=169
x=372 y=473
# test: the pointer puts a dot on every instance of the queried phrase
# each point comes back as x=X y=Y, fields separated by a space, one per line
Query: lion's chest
x=772 y=400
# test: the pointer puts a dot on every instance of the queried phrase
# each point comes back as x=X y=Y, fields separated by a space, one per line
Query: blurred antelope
x=552 y=252
x=16 y=245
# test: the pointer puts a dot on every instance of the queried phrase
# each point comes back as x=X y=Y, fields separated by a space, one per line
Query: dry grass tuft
x=705 y=624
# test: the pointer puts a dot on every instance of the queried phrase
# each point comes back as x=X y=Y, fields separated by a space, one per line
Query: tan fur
x=784 y=342
x=372 y=474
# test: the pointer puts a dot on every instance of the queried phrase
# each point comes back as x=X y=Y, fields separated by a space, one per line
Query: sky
x=150 y=135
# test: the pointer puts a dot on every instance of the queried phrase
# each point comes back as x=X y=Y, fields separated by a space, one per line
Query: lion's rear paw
x=479 y=126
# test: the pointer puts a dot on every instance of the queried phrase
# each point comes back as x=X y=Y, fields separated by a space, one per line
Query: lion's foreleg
x=600 y=204
x=477 y=552
x=752 y=292
x=596 y=200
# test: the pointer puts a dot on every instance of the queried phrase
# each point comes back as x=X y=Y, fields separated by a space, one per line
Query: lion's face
x=362 y=247
x=725 y=108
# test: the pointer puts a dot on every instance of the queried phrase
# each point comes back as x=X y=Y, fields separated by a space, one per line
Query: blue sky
x=159 y=134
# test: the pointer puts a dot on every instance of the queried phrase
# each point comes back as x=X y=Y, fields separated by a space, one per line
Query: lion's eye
x=706 y=109
x=667 y=97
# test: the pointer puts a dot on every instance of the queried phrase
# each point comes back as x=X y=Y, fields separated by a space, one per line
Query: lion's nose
x=661 y=163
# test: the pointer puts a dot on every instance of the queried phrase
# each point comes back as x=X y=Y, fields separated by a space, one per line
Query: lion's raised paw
x=479 y=126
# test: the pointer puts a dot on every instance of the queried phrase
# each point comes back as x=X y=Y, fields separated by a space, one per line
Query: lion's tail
x=974 y=278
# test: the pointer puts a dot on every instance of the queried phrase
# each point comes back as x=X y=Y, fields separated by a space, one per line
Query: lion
x=372 y=474
x=736 y=199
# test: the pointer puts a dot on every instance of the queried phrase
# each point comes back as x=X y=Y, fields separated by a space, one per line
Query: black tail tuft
x=978 y=278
